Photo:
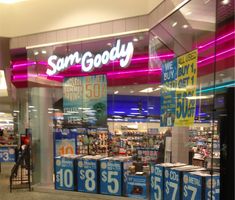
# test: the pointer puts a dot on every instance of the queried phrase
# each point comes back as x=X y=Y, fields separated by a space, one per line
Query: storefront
x=131 y=115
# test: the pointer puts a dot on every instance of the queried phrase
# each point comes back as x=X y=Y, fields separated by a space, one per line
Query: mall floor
x=42 y=193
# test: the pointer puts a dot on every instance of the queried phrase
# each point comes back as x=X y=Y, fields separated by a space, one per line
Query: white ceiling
x=35 y=16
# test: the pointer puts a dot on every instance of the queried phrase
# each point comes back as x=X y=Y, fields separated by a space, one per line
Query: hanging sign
x=89 y=62
x=178 y=93
x=186 y=89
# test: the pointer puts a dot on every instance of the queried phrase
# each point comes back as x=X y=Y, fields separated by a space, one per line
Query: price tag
x=111 y=181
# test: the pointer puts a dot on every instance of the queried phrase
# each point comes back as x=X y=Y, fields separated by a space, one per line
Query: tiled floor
x=43 y=193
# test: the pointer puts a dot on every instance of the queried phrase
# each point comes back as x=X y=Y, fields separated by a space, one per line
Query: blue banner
x=168 y=93
x=7 y=154
x=137 y=187
x=111 y=177
x=157 y=182
x=87 y=175
x=65 y=174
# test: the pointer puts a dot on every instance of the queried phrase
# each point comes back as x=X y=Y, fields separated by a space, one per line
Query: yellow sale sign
x=186 y=89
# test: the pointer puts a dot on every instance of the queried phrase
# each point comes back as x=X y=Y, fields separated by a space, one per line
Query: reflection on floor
x=42 y=193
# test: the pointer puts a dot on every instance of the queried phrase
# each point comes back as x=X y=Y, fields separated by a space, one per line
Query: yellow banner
x=186 y=89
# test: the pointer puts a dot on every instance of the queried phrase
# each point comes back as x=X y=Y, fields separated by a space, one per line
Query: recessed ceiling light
x=174 y=24
x=188 y=13
x=206 y=1
x=116 y=92
x=147 y=90
x=185 y=26
x=225 y=2
x=44 y=51
x=36 y=53
x=109 y=44
x=135 y=39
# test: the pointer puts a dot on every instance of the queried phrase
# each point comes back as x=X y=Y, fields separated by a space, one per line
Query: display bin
x=113 y=172
x=197 y=186
x=157 y=179
x=65 y=172
x=173 y=183
x=138 y=186
x=88 y=174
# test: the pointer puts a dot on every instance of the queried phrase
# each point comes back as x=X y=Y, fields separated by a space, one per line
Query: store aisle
x=41 y=193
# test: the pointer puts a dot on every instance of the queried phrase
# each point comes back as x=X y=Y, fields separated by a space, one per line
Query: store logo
x=88 y=61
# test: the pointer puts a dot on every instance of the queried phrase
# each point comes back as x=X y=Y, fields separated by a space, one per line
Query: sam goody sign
x=89 y=62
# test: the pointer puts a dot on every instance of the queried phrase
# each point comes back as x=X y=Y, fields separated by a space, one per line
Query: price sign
x=64 y=173
x=157 y=181
x=192 y=187
x=111 y=177
x=171 y=185
x=7 y=154
x=87 y=175
x=213 y=183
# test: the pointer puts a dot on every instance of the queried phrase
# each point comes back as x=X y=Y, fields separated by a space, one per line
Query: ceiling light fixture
x=135 y=39
x=225 y=2
x=188 y=13
x=185 y=26
x=147 y=90
x=174 y=24
x=44 y=51
x=116 y=92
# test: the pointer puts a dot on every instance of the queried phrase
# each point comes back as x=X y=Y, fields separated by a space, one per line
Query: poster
x=64 y=143
x=168 y=81
x=137 y=187
x=7 y=154
x=186 y=89
x=178 y=93
x=85 y=100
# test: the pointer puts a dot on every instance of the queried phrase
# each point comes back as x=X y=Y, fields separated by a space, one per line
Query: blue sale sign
x=157 y=181
x=168 y=80
x=111 y=177
x=7 y=154
x=214 y=183
x=192 y=186
x=137 y=187
x=64 y=172
x=87 y=175
x=171 y=185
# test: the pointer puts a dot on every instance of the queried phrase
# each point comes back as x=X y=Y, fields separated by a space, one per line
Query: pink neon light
x=217 y=40
x=134 y=71
x=217 y=55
